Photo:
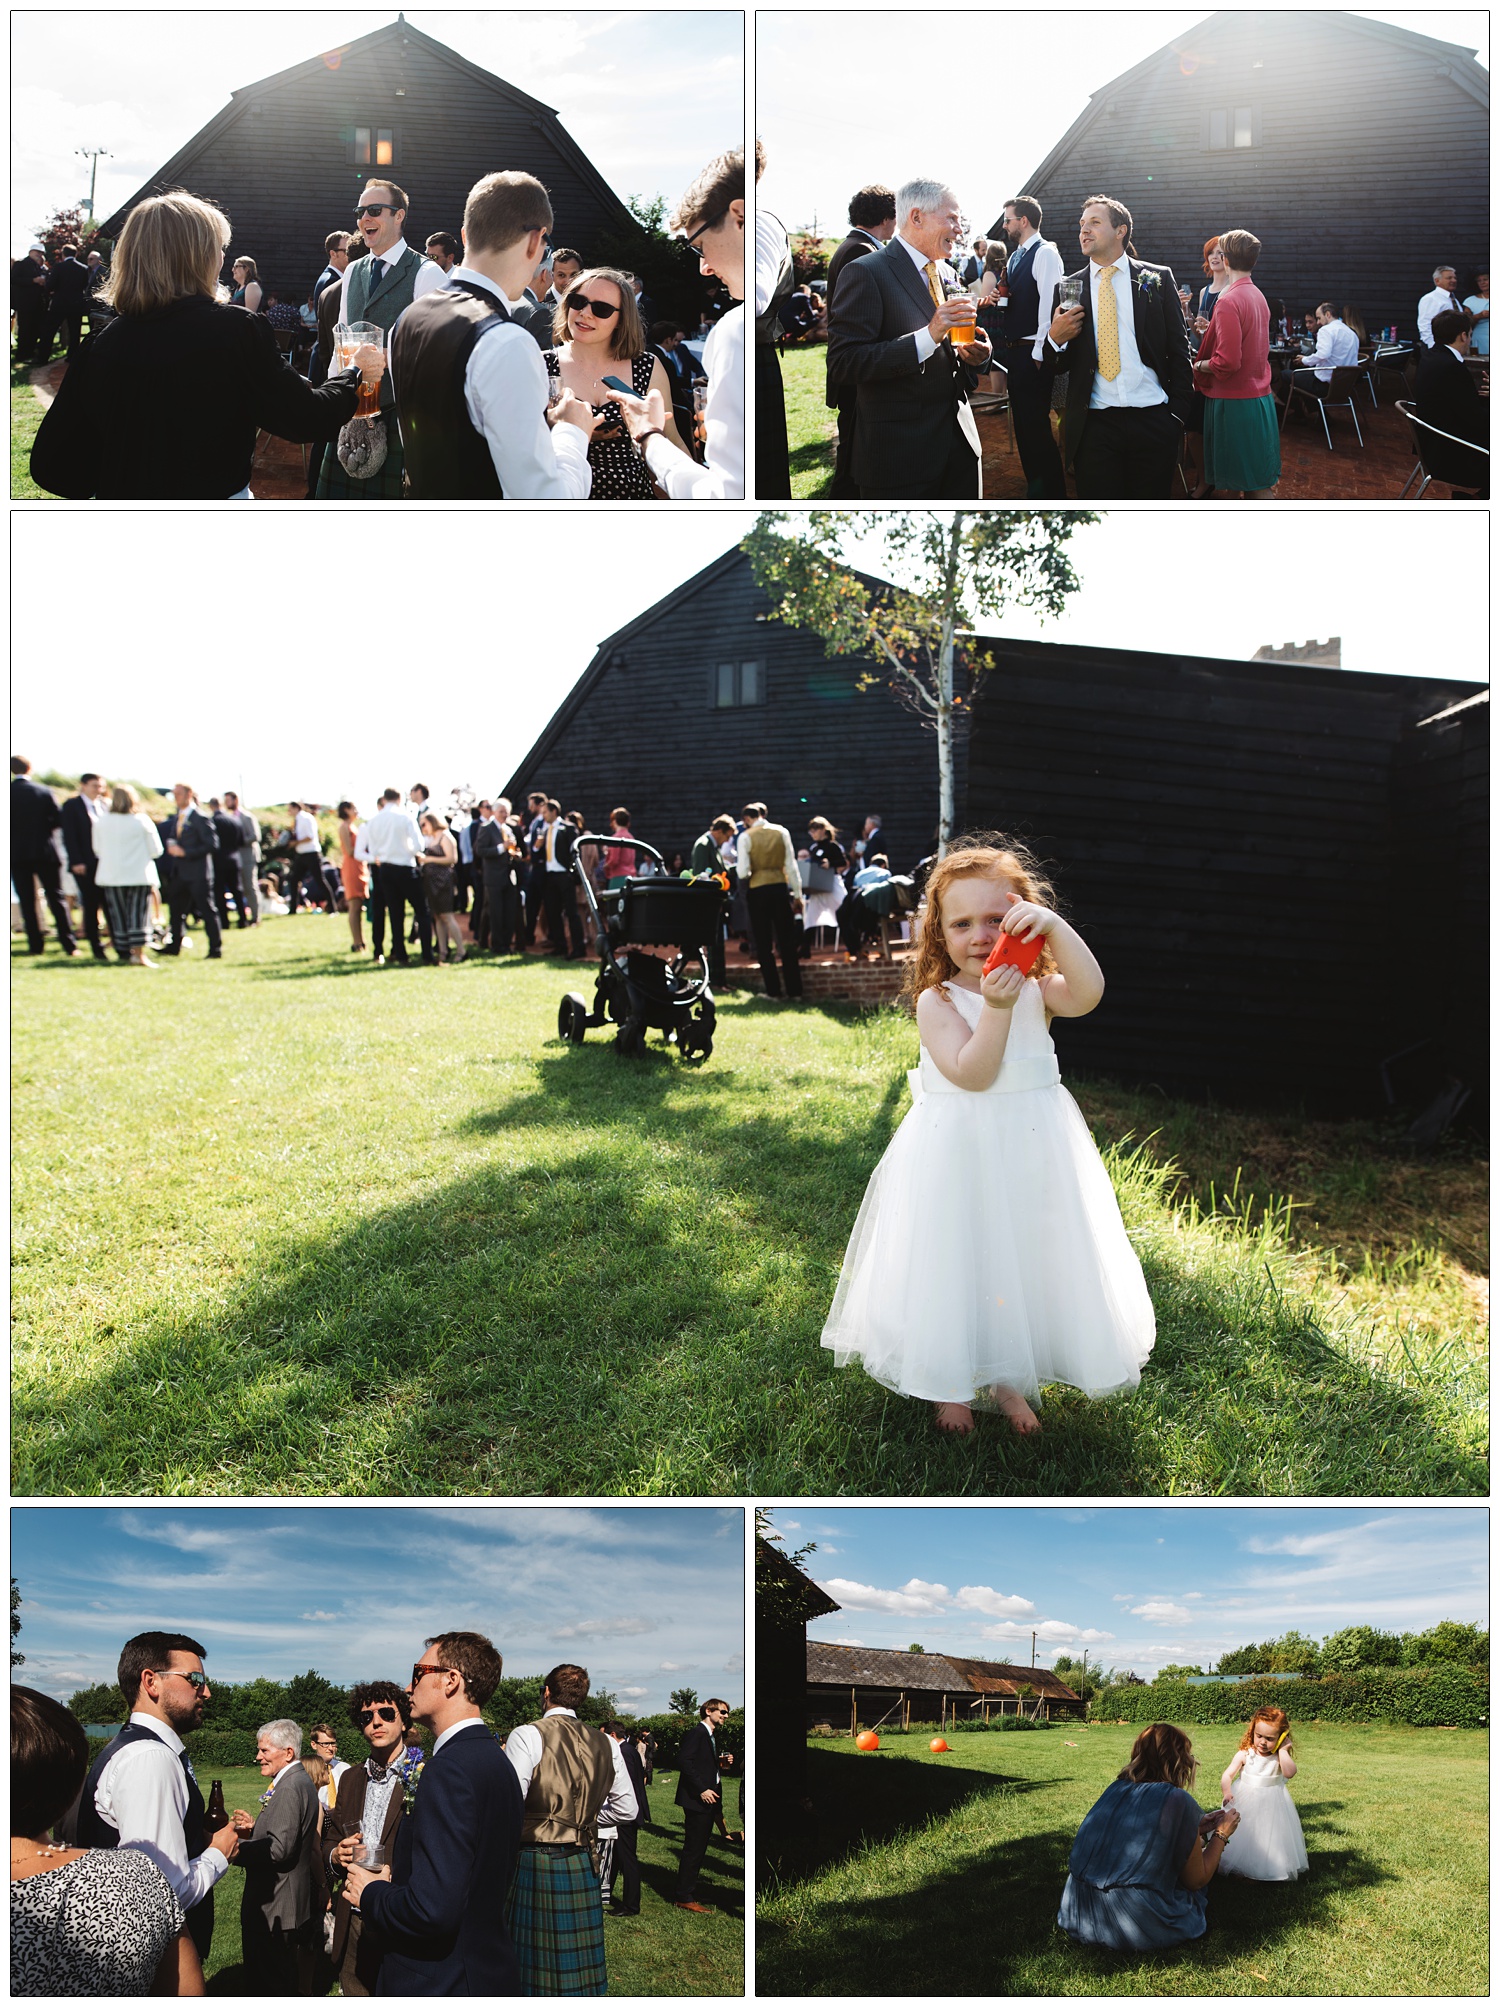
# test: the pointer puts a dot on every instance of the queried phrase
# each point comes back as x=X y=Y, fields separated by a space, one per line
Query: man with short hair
x=280 y=1924
x=572 y=1779
x=392 y=843
x=767 y=866
x=436 y=1916
x=1441 y=300
x=336 y=249
x=245 y=855
x=327 y=305
x=555 y=854
x=323 y=1741
x=79 y=814
x=369 y=1807
x=444 y=249
x=1124 y=348
x=28 y=302
x=972 y=269
x=915 y=436
x=470 y=387
x=34 y=862
x=67 y=302
x=872 y=224
x=141 y=1791
x=1031 y=275
x=227 y=878
x=1337 y=348
x=698 y=1793
x=498 y=857
x=307 y=861
x=626 y=1862
x=379 y=288
x=190 y=841
x=1448 y=397
x=532 y=824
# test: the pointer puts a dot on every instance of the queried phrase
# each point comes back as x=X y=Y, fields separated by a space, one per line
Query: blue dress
x=1123 y=1892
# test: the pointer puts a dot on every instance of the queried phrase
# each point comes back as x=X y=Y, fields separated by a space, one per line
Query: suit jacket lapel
x=910 y=277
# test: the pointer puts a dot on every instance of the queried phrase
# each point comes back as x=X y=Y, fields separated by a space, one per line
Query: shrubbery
x=1439 y=1696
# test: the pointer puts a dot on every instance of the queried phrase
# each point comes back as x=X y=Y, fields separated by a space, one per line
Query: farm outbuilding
x=1313 y=129
x=852 y=1687
x=786 y=1602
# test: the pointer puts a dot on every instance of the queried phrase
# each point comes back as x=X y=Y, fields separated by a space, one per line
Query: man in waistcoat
x=141 y=1791
x=1031 y=276
x=378 y=288
x=369 y=1806
x=571 y=1776
x=469 y=383
x=700 y=1796
x=767 y=868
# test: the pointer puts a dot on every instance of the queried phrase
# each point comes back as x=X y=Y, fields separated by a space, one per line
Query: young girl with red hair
x=989 y=1257
x=1268 y=1847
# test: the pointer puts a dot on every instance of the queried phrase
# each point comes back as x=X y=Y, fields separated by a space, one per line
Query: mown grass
x=811 y=428
x=661 y=1951
x=293 y=1224
x=26 y=415
x=922 y=1874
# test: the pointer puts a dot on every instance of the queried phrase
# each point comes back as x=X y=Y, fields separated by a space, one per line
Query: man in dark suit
x=190 y=842
x=437 y=1914
x=280 y=1926
x=78 y=815
x=683 y=370
x=28 y=302
x=369 y=1807
x=67 y=301
x=566 y=270
x=1124 y=347
x=34 y=815
x=872 y=224
x=1448 y=397
x=226 y=875
x=698 y=1795
x=498 y=858
x=626 y=1864
x=554 y=868
x=915 y=438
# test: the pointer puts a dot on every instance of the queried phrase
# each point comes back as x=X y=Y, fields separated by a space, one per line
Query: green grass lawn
x=25 y=416
x=661 y=1951
x=811 y=428
x=924 y=1874
x=297 y=1225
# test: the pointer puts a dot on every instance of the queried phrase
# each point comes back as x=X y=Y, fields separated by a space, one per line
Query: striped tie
x=1107 y=335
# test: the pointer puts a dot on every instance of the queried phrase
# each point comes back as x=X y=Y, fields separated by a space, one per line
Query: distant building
x=853 y=1687
x=1324 y=654
x=1357 y=152
x=287 y=157
x=786 y=1602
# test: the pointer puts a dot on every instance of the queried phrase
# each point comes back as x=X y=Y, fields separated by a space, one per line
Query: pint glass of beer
x=965 y=331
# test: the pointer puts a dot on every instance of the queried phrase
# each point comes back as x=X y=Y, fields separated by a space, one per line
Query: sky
x=648 y=1598
x=1027 y=76
x=270 y=589
x=1137 y=1587
x=141 y=84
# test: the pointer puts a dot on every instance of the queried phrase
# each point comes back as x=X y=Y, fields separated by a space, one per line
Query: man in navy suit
x=699 y=1795
x=1448 y=397
x=34 y=814
x=438 y=1912
x=190 y=842
x=78 y=814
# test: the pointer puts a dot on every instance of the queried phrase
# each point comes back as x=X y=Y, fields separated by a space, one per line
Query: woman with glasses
x=598 y=332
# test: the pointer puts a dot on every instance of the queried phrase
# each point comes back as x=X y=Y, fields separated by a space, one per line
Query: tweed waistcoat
x=386 y=304
x=569 y=1784
x=767 y=855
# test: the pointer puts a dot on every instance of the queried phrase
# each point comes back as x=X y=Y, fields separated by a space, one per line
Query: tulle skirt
x=1267 y=1845
x=989 y=1249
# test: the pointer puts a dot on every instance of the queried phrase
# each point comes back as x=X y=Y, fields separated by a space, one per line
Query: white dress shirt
x=789 y=856
x=143 y=1794
x=1338 y=348
x=722 y=476
x=1436 y=302
x=305 y=830
x=926 y=346
x=430 y=275
x=390 y=836
x=770 y=252
x=1136 y=386
x=1046 y=269
x=524 y=1748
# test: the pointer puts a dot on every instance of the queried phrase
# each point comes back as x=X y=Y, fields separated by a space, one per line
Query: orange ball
x=869 y=1740
x=937 y=1745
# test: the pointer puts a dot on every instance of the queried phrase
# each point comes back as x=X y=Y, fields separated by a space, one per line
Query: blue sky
x=1215 y=581
x=1139 y=1587
x=648 y=1598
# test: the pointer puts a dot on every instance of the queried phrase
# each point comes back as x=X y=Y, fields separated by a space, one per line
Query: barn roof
x=241 y=100
x=864 y=1665
x=1450 y=59
x=803 y=1594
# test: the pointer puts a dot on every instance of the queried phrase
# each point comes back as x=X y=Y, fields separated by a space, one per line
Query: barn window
x=362 y=146
x=1225 y=131
x=385 y=149
x=733 y=685
x=375 y=146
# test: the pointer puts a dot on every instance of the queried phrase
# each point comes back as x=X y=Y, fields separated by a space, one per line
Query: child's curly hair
x=1276 y=1718
x=983 y=853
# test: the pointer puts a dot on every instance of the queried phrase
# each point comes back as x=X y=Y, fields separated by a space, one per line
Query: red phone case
x=1008 y=949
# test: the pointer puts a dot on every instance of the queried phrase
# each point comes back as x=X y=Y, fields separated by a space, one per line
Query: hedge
x=1431 y=1697
x=234 y=1748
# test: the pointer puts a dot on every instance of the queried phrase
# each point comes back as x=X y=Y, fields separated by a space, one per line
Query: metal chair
x=1324 y=395
x=1419 y=426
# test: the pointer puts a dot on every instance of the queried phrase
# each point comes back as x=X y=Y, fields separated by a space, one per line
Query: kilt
x=334 y=485
x=556 y=1921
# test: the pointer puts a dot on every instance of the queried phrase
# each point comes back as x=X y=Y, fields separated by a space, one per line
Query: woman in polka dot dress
x=598 y=333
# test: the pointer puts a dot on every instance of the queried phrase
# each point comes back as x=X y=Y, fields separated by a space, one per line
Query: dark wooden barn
x=853 y=1687
x=786 y=1602
x=287 y=157
x=1325 y=134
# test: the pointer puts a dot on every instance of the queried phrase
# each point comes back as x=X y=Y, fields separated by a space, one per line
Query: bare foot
x=1012 y=1404
x=956 y=1418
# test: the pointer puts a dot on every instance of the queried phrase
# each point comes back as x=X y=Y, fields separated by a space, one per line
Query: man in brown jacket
x=369 y=1805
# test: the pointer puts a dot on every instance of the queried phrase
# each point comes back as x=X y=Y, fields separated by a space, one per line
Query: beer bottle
x=216 y=1815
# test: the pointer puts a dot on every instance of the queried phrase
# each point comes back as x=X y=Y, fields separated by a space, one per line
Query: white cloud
x=736 y=1664
x=633 y=1692
x=319 y=1617
x=1162 y=1613
x=1051 y=1632
x=1193 y=1596
x=991 y=1603
x=605 y=1627
x=915 y=1598
x=673 y=1665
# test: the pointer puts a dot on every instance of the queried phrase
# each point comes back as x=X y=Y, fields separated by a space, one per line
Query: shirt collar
x=469 y=1721
x=159 y=1727
x=562 y=1710
x=391 y=257
x=917 y=257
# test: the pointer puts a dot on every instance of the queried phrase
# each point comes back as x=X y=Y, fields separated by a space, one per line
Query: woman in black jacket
x=164 y=404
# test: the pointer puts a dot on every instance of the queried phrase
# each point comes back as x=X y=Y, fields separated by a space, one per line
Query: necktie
x=932 y=283
x=377 y=269
x=1107 y=333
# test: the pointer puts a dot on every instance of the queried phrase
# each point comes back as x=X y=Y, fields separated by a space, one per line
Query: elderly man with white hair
x=915 y=437
x=280 y=1920
x=1441 y=300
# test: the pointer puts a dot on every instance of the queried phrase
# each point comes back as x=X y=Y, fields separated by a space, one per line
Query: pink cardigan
x=1237 y=344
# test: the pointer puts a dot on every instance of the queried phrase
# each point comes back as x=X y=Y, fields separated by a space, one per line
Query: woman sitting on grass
x=1146 y=1853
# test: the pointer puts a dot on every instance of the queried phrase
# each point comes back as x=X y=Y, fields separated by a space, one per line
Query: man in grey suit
x=280 y=1925
x=247 y=856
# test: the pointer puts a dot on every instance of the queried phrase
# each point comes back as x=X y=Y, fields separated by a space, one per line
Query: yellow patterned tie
x=1107 y=334
x=932 y=283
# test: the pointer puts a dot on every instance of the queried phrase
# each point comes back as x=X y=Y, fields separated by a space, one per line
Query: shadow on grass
x=632 y=1302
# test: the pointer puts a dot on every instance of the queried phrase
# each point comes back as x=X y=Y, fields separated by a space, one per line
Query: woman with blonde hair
x=127 y=843
x=598 y=333
x=165 y=403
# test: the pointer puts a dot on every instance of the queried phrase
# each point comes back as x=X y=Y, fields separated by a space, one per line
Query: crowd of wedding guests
x=473 y=1866
x=493 y=363
x=1115 y=376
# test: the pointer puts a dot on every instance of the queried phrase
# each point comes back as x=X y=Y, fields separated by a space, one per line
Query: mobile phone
x=614 y=383
x=1021 y=954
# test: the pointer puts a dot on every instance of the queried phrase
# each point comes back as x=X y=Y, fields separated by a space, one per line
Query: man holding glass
x=366 y=1817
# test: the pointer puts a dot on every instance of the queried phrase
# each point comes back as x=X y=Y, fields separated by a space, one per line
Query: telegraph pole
x=93 y=154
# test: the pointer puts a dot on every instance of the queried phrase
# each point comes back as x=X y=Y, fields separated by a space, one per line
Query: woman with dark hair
x=84 y=1921
x=598 y=332
x=1146 y=1853
x=354 y=871
x=439 y=862
x=247 y=288
x=1241 y=442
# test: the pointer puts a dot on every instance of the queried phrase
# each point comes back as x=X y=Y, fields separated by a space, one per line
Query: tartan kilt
x=556 y=1921
x=334 y=485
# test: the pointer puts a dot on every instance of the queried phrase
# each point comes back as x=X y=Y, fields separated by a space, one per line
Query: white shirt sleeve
x=770 y=242
x=742 y=856
x=789 y=866
x=620 y=1807
x=143 y=1795
x=430 y=275
x=722 y=477
x=524 y=1745
x=362 y=853
x=505 y=389
x=926 y=346
x=1046 y=269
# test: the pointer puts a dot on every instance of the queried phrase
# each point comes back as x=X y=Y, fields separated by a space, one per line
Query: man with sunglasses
x=436 y=1916
x=141 y=1791
x=378 y=288
x=370 y=1805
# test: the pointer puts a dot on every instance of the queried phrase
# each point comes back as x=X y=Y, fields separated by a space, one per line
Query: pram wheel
x=572 y=1017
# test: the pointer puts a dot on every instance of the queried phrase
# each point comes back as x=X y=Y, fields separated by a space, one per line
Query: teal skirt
x=556 y=1922
x=1241 y=445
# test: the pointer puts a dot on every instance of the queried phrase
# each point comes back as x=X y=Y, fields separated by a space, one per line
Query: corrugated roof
x=933 y=1672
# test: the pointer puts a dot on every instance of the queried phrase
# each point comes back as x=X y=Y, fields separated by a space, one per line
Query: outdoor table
x=695 y=347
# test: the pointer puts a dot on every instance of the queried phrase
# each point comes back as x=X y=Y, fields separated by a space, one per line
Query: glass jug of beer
x=347 y=338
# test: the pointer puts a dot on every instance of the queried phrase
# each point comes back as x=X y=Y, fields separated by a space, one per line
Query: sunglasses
x=367 y=1714
x=196 y=1680
x=418 y=1671
x=703 y=229
x=376 y=209
x=580 y=303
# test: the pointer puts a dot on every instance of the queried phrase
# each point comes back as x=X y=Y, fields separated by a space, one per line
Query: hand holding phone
x=1019 y=954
